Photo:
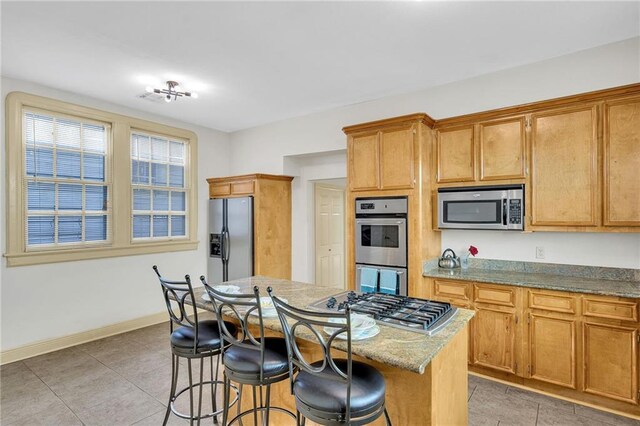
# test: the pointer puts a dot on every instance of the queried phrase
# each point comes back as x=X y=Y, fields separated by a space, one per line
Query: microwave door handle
x=504 y=212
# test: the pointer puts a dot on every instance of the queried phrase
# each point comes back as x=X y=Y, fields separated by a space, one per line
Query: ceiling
x=258 y=62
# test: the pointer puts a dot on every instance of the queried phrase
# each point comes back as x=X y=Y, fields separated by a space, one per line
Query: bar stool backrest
x=238 y=308
x=312 y=325
x=181 y=292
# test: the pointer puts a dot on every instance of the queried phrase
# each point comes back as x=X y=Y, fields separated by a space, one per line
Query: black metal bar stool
x=192 y=339
x=249 y=359
x=330 y=391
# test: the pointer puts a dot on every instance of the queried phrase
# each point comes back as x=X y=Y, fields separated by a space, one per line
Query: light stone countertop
x=547 y=281
x=403 y=349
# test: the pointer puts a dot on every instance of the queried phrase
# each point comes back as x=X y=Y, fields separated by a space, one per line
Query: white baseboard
x=50 y=345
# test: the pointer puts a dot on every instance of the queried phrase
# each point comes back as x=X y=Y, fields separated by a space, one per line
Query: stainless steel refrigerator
x=230 y=239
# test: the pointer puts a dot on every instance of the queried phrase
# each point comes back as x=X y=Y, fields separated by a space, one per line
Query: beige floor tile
x=57 y=365
x=109 y=347
x=123 y=409
x=488 y=403
x=57 y=414
x=91 y=390
x=488 y=384
x=542 y=399
x=140 y=363
x=156 y=420
x=551 y=416
x=605 y=417
x=21 y=402
x=15 y=375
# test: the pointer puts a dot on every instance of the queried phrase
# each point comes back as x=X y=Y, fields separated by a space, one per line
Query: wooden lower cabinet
x=552 y=349
x=610 y=361
x=494 y=334
x=578 y=346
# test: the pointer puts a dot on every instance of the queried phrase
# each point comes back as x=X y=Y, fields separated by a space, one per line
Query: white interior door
x=329 y=219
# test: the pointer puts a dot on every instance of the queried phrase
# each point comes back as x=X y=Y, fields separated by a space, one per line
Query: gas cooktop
x=408 y=313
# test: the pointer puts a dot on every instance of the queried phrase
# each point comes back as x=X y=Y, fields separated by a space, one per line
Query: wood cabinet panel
x=494 y=343
x=459 y=291
x=219 y=190
x=240 y=188
x=502 y=149
x=456 y=155
x=397 y=158
x=610 y=361
x=610 y=309
x=564 y=303
x=495 y=294
x=364 y=162
x=552 y=349
x=564 y=179
x=622 y=163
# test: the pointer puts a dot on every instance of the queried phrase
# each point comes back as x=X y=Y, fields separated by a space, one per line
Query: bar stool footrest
x=263 y=408
x=202 y=416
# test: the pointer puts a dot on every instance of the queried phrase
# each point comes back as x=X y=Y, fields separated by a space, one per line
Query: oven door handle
x=504 y=211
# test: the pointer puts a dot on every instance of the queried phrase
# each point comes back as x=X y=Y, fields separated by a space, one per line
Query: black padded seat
x=246 y=361
x=208 y=335
x=324 y=392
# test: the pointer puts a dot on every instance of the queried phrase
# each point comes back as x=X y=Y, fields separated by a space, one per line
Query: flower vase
x=464 y=261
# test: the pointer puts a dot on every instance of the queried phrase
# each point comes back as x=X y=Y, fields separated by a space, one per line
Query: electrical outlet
x=539 y=252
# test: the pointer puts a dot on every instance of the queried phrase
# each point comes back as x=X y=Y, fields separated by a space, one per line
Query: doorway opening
x=329 y=219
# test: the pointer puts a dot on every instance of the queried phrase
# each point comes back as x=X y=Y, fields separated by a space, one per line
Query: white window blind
x=66 y=182
x=158 y=178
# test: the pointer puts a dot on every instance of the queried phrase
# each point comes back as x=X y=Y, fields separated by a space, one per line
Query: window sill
x=84 y=253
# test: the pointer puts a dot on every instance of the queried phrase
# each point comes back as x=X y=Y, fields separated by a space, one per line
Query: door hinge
x=528 y=369
x=638 y=337
x=527 y=123
x=516 y=366
x=516 y=319
x=529 y=319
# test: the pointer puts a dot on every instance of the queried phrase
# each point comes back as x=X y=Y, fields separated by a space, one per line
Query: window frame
x=118 y=168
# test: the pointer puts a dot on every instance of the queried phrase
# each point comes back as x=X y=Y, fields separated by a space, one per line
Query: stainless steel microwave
x=482 y=207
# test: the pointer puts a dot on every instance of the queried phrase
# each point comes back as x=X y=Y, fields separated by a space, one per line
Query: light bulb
x=194 y=95
x=149 y=89
x=167 y=98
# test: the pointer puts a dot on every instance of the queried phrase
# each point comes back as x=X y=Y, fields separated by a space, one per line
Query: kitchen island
x=426 y=376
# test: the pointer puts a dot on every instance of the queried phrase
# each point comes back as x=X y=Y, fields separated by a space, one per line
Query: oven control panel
x=515 y=211
x=395 y=205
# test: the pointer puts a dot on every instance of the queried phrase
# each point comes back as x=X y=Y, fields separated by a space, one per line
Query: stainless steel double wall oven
x=381 y=238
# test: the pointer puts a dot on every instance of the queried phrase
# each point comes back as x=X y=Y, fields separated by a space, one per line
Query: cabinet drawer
x=496 y=295
x=610 y=309
x=552 y=302
x=219 y=189
x=453 y=290
x=238 y=188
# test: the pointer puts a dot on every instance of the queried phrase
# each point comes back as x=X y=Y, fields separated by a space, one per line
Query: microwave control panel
x=515 y=211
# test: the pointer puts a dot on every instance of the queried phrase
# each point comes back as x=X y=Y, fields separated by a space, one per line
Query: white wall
x=308 y=169
x=599 y=68
x=53 y=300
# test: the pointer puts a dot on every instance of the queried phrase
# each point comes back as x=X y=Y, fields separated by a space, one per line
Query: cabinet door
x=456 y=155
x=552 y=349
x=622 y=163
x=494 y=338
x=363 y=162
x=564 y=179
x=610 y=360
x=396 y=158
x=502 y=148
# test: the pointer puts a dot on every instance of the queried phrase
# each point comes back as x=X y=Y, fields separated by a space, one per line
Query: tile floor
x=124 y=380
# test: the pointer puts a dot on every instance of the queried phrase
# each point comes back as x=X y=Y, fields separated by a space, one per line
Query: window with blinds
x=158 y=167
x=66 y=182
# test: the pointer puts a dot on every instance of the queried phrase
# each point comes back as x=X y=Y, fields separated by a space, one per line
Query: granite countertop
x=403 y=349
x=538 y=279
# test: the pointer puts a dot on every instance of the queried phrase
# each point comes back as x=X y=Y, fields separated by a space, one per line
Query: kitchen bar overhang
x=426 y=376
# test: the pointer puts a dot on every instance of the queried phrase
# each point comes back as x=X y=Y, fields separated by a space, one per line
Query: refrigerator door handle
x=226 y=245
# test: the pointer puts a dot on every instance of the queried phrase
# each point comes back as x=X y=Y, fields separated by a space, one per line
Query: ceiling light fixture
x=172 y=92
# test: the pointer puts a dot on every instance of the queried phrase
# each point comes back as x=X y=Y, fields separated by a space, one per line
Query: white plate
x=359 y=324
x=268 y=309
x=229 y=289
x=367 y=334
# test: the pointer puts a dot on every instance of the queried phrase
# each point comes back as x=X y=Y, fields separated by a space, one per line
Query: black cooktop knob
x=331 y=302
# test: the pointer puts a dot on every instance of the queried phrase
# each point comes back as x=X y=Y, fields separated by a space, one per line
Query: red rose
x=473 y=250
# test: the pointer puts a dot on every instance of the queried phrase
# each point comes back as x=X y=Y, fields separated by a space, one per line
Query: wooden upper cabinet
x=456 y=155
x=363 y=162
x=502 y=149
x=397 y=158
x=622 y=162
x=564 y=160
